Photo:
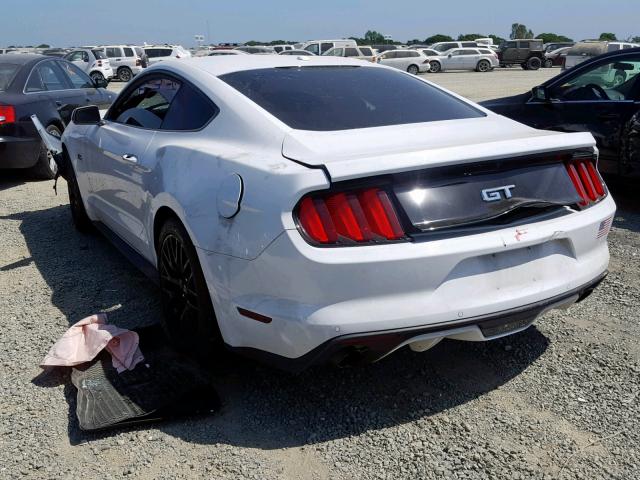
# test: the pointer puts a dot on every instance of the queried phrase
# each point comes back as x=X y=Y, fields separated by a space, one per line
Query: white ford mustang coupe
x=316 y=209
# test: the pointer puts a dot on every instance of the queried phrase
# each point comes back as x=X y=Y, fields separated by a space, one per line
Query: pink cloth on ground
x=87 y=338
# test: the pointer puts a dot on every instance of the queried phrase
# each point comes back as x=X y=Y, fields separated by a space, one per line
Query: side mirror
x=100 y=82
x=540 y=93
x=86 y=116
x=450 y=55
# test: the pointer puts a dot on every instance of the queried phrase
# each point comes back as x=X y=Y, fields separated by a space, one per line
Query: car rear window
x=7 y=72
x=343 y=98
x=99 y=54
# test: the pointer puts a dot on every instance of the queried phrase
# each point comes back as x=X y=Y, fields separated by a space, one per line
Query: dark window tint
x=113 y=52
x=469 y=44
x=146 y=105
x=391 y=54
x=99 y=53
x=189 y=110
x=77 y=77
x=523 y=44
x=7 y=72
x=351 y=52
x=443 y=47
x=342 y=98
x=366 y=52
x=46 y=76
x=510 y=44
x=77 y=56
x=128 y=52
x=325 y=46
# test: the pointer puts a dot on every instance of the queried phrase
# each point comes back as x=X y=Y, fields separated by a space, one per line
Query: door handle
x=130 y=158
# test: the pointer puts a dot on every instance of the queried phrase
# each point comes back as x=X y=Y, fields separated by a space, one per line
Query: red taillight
x=99 y=63
x=7 y=114
x=138 y=62
x=364 y=216
x=586 y=180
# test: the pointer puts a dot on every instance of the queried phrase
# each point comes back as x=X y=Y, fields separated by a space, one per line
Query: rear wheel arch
x=163 y=214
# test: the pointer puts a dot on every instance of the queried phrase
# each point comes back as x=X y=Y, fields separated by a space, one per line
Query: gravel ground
x=559 y=400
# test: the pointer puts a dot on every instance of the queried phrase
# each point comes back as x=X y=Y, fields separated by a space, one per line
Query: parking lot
x=560 y=400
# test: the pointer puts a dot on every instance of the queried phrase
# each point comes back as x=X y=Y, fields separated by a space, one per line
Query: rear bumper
x=369 y=347
x=18 y=152
x=318 y=295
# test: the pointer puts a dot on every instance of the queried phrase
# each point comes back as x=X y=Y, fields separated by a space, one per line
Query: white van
x=319 y=47
x=582 y=51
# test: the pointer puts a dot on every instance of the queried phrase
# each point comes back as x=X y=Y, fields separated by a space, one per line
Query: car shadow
x=624 y=192
x=262 y=407
x=12 y=178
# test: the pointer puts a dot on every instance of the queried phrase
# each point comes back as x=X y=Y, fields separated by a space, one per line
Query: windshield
x=99 y=54
x=342 y=98
x=7 y=72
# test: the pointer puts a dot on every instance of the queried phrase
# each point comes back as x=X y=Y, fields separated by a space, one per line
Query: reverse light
x=586 y=180
x=347 y=218
x=7 y=114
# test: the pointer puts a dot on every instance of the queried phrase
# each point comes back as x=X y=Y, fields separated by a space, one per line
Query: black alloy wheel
x=188 y=316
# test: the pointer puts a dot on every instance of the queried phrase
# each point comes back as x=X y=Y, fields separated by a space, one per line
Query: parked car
x=385 y=223
x=552 y=46
x=126 y=61
x=556 y=58
x=159 y=53
x=361 y=52
x=411 y=61
x=582 y=51
x=55 y=52
x=478 y=59
x=282 y=48
x=256 y=50
x=600 y=95
x=384 y=48
x=429 y=52
x=93 y=62
x=226 y=51
x=298 y=53
x=444 y=46
x=7 y=50
x=319 y=47
x=50 y=88
x=527 y=53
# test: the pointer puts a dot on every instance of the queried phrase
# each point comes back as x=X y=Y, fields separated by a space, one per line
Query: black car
x=49 y=87
x=600 y=95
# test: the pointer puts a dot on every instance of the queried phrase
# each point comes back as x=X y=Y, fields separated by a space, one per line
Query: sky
x=75 y=22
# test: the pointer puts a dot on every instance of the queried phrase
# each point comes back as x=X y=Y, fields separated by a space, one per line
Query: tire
x=46 y=167
x=619 y=78
x=548 y=63
x=188 y=319
x=81 y=220
x=483 y=66
x=413 y=69
x=534 y=63
x=435 y=67
x=97 y=77
x=125 y=74
x=524 y=66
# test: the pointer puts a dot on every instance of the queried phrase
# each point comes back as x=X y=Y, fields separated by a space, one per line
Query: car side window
x=75 y=56
x=612 y=81
x=147 y=104
x=85 y=57
x=456 y=53
x=46 y=76
x=351 y=52
x=77 y=77
x=113 y=52
x=189 y=110
x=128 y=52
x=390 y=54
x=313 y=48
x=524 y=44
x=325 y=46
x=152 y=52
x=366 y=52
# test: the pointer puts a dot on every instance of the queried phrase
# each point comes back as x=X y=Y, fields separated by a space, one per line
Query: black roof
x=20 y=58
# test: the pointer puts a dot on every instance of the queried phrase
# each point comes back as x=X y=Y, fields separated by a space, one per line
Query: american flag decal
x=604 y=227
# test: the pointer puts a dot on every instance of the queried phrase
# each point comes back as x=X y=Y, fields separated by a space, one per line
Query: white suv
x=362 y=52
x=126 y=61
x=158 y=53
